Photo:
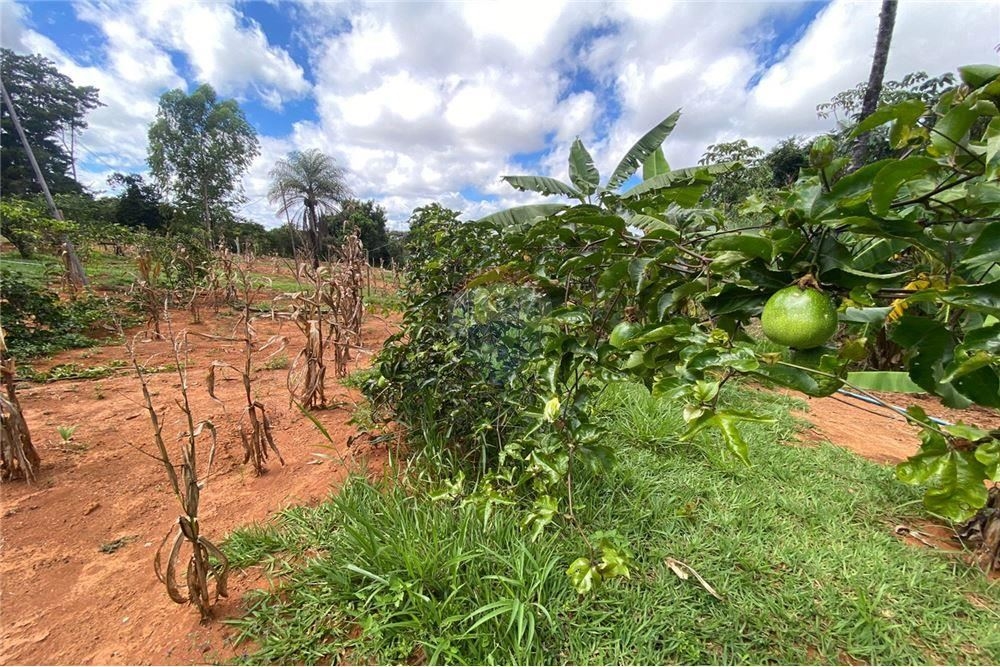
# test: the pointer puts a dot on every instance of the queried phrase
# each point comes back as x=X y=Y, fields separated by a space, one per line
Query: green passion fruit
x=800 y=317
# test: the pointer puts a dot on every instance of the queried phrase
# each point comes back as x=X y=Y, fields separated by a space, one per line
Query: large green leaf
x=748 y=244
x=907 y=111
x=950 y=130
x=582 y=171
x=982 y=298
x=851 y=190
x=725 y=422
x=655 y=164
x=649 y=224
x=641 y=150
x=954 y=477
x=865 y=315
x=679 y=178
x=543 y=185
x=521 y=214
x=977 y=76
x=985 y=250
x=891 y=177
x=895 y=381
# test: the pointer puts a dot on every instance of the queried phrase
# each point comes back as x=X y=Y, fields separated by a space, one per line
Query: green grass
x=799 y=545
x=104 y=270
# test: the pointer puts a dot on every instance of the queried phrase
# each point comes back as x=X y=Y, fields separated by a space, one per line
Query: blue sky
x=430 y=102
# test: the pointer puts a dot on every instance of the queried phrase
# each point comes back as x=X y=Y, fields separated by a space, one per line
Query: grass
x=103 y=269
x=799 y=545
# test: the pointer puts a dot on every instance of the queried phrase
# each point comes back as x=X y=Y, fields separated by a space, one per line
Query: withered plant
x=254 y=425
x=352 y=269
x=146 y=289
x=18 y=457
x=198 y=276
x=205 y=561
x=328 y=312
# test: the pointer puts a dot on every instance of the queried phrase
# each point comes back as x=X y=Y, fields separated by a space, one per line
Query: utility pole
x=74 y=270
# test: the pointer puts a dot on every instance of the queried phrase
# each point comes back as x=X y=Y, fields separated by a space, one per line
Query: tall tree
x=369 y=219
x=309 y=184
x=886 y=23
x=138 y=205
x=199 y=148
x=50 y=108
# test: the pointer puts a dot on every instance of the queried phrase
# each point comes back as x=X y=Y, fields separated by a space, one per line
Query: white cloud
x=424 y=102
x=234 y=58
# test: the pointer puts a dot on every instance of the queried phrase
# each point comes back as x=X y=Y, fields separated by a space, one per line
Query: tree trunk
x=886 y=23
x=314 y=235
x=206 y=214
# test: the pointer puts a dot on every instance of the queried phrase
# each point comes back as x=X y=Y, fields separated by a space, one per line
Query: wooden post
x=74 y=269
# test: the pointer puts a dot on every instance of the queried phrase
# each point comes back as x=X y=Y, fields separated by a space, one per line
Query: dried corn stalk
x=147 y=291
x=18 y=458
x=255 y=431
x=200 y=567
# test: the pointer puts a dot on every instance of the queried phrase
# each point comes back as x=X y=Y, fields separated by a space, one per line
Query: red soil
x=64 y=601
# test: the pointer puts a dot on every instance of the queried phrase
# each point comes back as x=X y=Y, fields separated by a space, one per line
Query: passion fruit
x=800 y=316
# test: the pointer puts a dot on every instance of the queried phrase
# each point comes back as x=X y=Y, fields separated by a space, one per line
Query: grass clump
x=799 y=546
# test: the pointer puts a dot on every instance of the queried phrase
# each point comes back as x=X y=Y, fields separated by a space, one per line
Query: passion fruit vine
x=800 y=316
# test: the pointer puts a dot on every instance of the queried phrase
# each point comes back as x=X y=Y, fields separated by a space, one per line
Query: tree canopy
x=199 y=148
x=370 y=221
x=51 y=110
x=309 y=185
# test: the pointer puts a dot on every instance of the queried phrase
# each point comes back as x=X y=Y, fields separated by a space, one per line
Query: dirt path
x=64 y=600
x=878 y=433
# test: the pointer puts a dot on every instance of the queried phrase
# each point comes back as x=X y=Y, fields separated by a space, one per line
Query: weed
x=278 y=362
x=797 y=547
x=116 y=544
x=358 y=378
x=66 y=433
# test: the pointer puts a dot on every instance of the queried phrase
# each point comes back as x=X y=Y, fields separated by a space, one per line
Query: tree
x=370 y=221
x=886 y=23
x=199 y=147
x=50 y=108
x=309 y=184
x=730 y=190
x=138 y=205
x=786 y=160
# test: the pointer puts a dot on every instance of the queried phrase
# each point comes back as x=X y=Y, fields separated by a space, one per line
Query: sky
x=425 y=102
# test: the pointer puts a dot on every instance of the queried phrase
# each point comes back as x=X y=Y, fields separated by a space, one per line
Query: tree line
x=200 y=146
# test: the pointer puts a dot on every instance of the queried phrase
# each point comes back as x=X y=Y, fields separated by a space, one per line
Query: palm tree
x=886 y=23
x=309 y=183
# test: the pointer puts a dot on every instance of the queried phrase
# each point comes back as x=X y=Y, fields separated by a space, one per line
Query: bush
x=37 y=322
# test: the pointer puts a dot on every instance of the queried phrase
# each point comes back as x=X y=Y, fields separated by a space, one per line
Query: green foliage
x=27 y=225
x=199 y=148
x=799 y=547
x=36 y=322
x=370 y=221
x=679 y=285
x=51 y=109
x=139 y=203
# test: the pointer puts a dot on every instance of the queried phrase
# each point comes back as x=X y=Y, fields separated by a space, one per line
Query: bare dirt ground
x=65 y=601
x=878 y=433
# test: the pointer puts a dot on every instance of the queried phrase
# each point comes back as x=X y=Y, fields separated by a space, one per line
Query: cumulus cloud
x=434 y=102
